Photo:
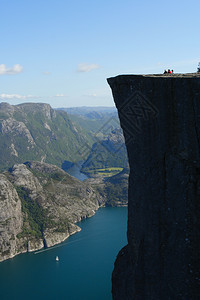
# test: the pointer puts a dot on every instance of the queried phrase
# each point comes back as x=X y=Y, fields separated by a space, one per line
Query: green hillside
x=34 y=131
x=106 y=153
x=94 y=119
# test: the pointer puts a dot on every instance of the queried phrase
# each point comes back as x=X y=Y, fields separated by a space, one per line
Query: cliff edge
x=160 y=118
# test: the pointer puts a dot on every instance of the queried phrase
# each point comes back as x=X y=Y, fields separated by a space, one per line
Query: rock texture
x=10 y=219
x=160 y=118
x=39 y=206
x=113 y=190
x=14 y=127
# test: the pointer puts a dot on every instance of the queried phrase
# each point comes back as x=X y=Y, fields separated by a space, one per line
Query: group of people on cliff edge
x=169 y=71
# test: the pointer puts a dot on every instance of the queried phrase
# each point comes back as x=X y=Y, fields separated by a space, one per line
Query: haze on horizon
x=62 y=52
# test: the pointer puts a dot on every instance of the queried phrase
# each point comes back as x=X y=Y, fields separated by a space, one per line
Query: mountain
x=114 y=189
x=87 y=110
x=35 y=131
x=40 y=204
x=94 y=119
x=108 y=151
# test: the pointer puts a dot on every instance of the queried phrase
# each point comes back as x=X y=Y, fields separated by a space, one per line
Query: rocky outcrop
x=13 y=150
x=43 y=108
x=11 y=220
x=39 y=206
x=159 y=115
x=113 y=190
x=52 y=238
x=20 y=175
x=7 y=109
x=16 y=128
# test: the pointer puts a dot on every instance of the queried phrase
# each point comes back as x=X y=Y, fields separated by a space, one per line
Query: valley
x=40 y=203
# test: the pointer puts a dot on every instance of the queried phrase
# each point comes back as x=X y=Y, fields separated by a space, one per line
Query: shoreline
x=56 y=244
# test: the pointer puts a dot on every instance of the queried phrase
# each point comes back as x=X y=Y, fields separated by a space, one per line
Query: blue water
x=75 y=171
x=85 y=265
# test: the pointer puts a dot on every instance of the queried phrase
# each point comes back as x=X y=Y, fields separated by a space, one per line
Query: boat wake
x=57 y=246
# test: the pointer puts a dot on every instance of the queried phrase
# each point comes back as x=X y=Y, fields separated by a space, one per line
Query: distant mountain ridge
x=35 y=131
x=110 y=151
x=39 y=202
x=85 y=110
x=93 y=119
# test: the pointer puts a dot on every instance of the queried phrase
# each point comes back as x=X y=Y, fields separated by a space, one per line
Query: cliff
x=160 y=118
x=39 y=206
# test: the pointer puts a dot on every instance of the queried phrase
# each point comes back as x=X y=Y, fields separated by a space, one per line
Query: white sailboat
x=57 y=258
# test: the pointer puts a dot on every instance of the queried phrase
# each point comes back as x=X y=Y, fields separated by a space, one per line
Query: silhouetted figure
x=165 y=72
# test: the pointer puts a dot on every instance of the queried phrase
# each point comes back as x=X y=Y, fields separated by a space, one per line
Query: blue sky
x=61 y=52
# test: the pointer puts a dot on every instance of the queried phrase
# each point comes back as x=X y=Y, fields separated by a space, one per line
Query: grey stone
x=160 y=118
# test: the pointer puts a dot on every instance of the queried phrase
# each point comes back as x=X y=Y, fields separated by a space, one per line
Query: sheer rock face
x=160 y=118
x=40 y=205
x=11 y=219
x=21 y=176
x=62 y=200
x=16 y=128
